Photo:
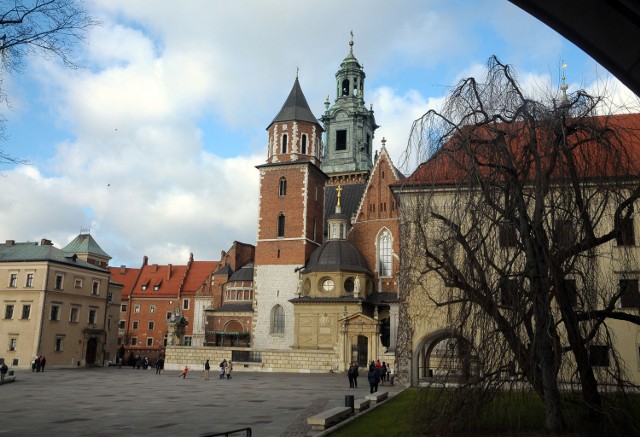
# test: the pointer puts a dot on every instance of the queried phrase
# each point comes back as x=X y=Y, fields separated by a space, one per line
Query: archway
x=445 y=356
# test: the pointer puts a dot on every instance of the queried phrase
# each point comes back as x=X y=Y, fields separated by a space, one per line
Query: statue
x=356 y=286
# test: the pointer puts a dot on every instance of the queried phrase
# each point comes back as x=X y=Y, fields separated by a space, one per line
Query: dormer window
x=144 y=287
x=156 y=287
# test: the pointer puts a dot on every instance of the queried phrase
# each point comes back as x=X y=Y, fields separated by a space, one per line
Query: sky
x=152 y=144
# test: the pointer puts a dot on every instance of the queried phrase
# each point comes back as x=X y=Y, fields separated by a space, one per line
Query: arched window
x=345 y=87
x=384 y=253
x=281 y=225
x=285 y=138
x=283 y=187
x=303 y=146
x=277 y=320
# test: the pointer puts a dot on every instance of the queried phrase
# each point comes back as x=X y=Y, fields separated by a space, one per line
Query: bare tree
x=515 y=233
x=48 y=28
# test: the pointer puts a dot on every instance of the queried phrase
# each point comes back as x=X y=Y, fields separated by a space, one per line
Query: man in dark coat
x=374 y=377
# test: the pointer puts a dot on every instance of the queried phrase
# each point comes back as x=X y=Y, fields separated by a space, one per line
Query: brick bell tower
x=290 y=221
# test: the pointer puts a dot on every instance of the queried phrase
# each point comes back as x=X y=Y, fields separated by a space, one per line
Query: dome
x=336 y=255
x=245 y=273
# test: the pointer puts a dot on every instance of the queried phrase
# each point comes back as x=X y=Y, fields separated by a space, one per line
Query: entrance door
x=92 y=350
x=360 y=351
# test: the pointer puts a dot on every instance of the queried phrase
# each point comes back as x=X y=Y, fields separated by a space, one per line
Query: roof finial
x=384 y=142
x=297 y=71
x=351 y=43
x=339 y=190
x=564 y=86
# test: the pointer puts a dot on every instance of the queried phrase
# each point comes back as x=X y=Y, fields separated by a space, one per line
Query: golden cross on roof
x=339 y=190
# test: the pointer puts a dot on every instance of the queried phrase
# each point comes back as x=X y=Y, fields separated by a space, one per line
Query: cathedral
x=326 y=256
x=319 y=289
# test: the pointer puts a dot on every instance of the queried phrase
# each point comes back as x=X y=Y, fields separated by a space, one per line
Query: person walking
x=3 y=371
x=207 y=367
x=223 y=365
x=159 y=366
x=353 y=375
x=43 y=361
x=228 y=369
x=184 y=372
x=383 y=373
x=374 y=377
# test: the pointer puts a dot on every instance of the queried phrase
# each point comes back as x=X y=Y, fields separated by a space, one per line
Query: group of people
x=378 y=373
x=38 y=363
x=225 y=369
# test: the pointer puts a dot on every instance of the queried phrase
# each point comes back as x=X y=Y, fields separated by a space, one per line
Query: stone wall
x=302 y=361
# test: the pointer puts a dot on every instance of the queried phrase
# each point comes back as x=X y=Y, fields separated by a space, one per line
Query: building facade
x=57 y=303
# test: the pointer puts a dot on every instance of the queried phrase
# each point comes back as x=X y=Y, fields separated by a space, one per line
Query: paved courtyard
x=116 y=402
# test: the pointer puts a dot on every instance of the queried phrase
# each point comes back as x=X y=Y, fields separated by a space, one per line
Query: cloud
x=164 y=126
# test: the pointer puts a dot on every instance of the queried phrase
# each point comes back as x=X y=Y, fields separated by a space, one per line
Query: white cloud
x=166 y=85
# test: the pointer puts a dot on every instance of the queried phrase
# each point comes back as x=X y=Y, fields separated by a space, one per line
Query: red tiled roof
x=125 y=276
x=474 y=151
x=168 y=277
x=198 y=273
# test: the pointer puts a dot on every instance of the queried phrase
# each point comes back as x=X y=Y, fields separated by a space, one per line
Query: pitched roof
x=234 y=308
x=198 y=273
x=33 y=252
x=469 y=153
x=296 y=107
x=168 y=278
x=84 y=243
x=127 y=277
x=350 y=198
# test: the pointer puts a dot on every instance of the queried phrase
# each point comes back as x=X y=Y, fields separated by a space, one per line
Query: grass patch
x=429 y=412
x=389 y=419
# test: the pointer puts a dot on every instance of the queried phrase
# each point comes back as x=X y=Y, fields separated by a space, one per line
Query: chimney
x=145 y=260
x=123 y=269
x=168 y=272
x=45 y=242
x=10 y=242
x=154 y=268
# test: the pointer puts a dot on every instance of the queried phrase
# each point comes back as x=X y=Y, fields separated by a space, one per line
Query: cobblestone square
x=115 y=402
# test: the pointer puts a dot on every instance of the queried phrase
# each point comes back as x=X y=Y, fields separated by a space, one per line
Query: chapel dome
x=336 y=255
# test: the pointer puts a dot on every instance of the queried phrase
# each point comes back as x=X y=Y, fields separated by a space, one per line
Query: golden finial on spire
x=564 y=85
x=339 y=190
x=351 y=43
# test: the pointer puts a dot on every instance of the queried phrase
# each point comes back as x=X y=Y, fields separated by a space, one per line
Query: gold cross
x=339 y=190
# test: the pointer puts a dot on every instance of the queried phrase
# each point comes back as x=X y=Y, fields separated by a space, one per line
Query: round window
x=327 y=285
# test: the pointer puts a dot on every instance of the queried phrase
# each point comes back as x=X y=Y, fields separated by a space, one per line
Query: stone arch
x=233 y=326
x=444 y=356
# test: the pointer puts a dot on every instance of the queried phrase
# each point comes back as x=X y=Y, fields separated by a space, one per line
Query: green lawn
x=419 y=412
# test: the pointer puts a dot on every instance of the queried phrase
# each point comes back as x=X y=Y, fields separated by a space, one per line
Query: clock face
x=327 y=285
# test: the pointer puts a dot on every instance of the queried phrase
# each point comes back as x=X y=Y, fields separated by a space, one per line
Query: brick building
x=326 y=267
